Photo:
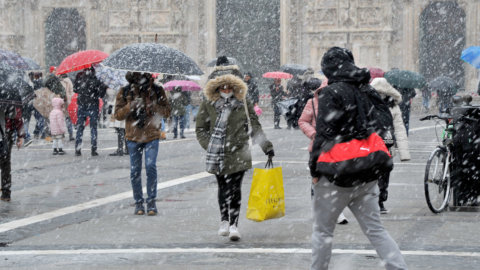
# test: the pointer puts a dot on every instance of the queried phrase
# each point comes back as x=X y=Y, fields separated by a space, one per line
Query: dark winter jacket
x=53 y=83
x=337 y=119
x=277 y=95
x=89 y=89
x=178 y=101
x=252 y=94
x=295 y=87
x=237 y=152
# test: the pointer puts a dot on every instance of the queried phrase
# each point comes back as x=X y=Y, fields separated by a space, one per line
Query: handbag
x=267 y=197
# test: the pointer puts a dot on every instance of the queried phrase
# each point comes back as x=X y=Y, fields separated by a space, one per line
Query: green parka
x=237 y=152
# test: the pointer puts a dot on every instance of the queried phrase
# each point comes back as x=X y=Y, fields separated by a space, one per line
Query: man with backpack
x=345 y=110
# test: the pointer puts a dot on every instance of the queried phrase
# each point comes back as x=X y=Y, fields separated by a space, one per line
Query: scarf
x=216 y=147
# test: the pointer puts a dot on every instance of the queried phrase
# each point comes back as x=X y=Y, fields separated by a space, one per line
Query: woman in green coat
x=222 y=130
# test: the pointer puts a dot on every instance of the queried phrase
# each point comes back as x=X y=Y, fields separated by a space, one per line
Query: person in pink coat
x=307 y=123
x=57 y=125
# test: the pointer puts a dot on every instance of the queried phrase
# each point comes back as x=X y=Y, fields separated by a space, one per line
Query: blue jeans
x=39 y=125
x=135 y=151
x=69 y=126
x=83 y=113
x=188 y=109
x=176 y=119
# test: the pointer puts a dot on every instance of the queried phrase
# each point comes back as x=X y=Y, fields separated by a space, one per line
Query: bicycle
x=437 y=182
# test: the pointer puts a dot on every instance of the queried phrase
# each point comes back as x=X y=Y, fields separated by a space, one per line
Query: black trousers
x=230 y=196
x=383 y=182
x=6 y=167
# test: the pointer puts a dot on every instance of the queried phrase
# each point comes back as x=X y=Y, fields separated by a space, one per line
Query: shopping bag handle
x=269 y=163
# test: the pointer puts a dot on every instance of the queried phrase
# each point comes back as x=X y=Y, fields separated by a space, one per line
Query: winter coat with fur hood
x=401 y=139
x=57 y=118
x=237 y=153
x=154 y=99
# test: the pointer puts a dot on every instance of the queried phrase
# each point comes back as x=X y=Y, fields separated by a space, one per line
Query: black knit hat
x=222 y=61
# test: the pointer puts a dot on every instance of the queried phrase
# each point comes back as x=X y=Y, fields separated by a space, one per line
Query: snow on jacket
x=237 y=152
x=386 y=90
x=307 y=121
x=57 y=118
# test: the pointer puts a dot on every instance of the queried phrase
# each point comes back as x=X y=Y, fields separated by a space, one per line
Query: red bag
x=355 y=156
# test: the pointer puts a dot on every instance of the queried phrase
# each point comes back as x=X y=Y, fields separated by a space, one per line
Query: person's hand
x=270 y=154
x=19 y=142
x=136 y=103
x=314 y=180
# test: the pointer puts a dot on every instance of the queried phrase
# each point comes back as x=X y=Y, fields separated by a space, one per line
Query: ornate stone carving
x=370 y=17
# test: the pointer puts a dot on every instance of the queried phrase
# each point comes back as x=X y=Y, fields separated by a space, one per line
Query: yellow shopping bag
x=267 y=198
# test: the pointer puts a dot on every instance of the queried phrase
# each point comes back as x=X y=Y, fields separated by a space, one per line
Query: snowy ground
x=72 y=212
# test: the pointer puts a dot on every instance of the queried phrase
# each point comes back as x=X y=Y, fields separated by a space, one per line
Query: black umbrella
x=14 y=90
x=294 y=69
x=443 y=84
x=32 y=65
x=13 y=60
x=152 y=58
x=231 y=60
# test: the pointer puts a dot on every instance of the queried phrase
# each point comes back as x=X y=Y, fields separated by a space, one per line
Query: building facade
x=420 y=35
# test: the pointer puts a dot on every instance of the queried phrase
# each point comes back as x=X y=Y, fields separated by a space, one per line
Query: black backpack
x=378 y=115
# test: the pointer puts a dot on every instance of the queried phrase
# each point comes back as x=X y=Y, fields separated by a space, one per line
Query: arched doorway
x=442 y=39
x=64 y=35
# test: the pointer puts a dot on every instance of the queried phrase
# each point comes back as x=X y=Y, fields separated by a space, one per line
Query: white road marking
x=420 y=128
x=227 y=250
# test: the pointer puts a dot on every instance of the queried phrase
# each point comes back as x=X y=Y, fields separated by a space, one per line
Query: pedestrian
x=68 y=86
x=58 y=126
x=295 y=90
x=252 y=94
x=277 y=93
x=188 y=108
x=426 y=94
x=89 y=89
x=407 y=95
x=142 y=104
x=392 y=97
x=307 y=123
x=338 y=120
x=445 y=101
x=10 y=122
x=221 y=131
x=119 y=127
x=178 y=102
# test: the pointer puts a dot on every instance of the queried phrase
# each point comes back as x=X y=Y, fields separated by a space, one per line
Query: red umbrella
x=375 y=72
x=277 y=75
x=81 y=60
x=186 y=85
x=73 y=109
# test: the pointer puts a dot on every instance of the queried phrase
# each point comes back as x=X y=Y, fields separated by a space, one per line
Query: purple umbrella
x=13 y=60
x=186 y=85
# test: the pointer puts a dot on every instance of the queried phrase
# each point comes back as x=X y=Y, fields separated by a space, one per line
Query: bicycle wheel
x=437 y=181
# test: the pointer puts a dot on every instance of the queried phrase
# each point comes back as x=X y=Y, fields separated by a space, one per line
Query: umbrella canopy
x=13 y=60
x=14 y=90
x=294 y=69
x=286 y=106
x=186 y=85
x=471 y=55
x=443 y=84
x=231 y=60
x=32 y=65
x=277 y=75
x=152 y=58
x=376 y=72
x=113 y=78
x=405 y=78
x=80 y=60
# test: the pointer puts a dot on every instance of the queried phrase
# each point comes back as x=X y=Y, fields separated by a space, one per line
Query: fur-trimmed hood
x=386 y=89
x=239 y=86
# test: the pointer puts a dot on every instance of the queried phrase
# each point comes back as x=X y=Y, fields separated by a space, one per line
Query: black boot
x=78 y=152
x=60 y=151
x=119 y=153
x=94 y=152
x=55 y=151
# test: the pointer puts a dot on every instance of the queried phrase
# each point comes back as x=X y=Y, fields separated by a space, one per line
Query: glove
x=270 y=154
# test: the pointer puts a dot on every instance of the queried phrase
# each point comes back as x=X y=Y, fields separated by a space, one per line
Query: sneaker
x=182 y=136
x=342 y=219
x=139 y=209
x=61 y=152
x=234 y=233
x=383 y=210
x=27 y=142
x=94 y=153
x=5 y=197
x=55 y=151
x=223 y=231
x=151 y=208
x=78 y=153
